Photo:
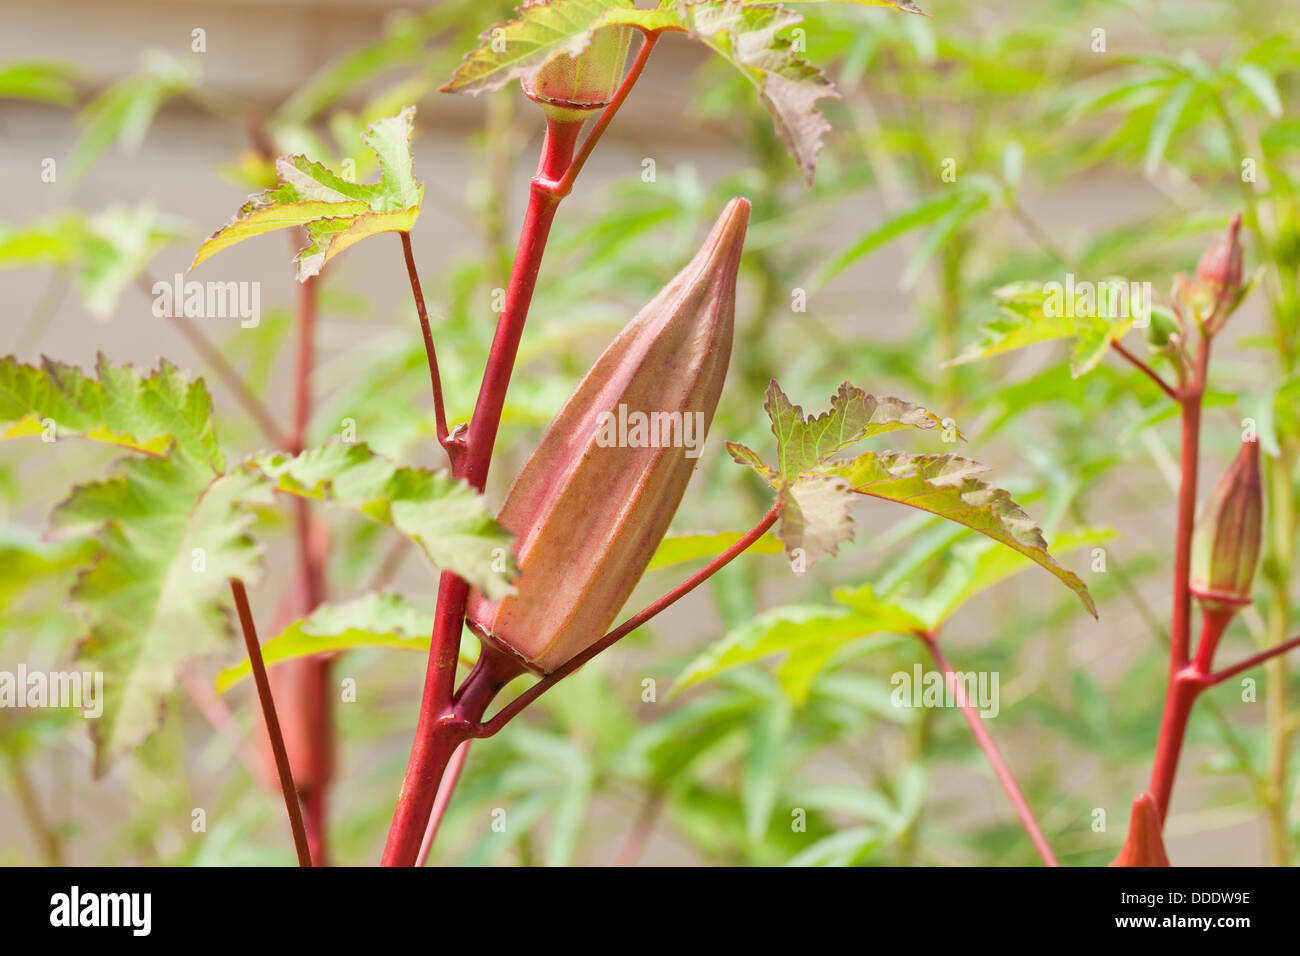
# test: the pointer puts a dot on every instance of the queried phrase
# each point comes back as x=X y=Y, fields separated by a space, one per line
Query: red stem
x=1180 y=627
x=272 y=722
x=437 y=738
x=439 y=412
x=1253 y=661
x=1185 y=681
x=1000 y=768
x=1145 y=369
x=512 y=709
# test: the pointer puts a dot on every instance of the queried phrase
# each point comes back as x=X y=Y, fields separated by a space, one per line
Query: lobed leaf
x=946 y=485
x=516 y=50
x=444 y=516
x=337 y=213
x=143 y=413
x=170 y=538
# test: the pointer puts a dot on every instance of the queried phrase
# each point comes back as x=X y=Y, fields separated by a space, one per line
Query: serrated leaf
x=171 y=536
x=1024 y=322
x=1092 y=314
x=375 y=620
x=946 y=485
x=803 y=443
x=815 y=517
x=337 y=213
x=788 y=87
x=516 y=50
x=144 y=413
x=444 y=516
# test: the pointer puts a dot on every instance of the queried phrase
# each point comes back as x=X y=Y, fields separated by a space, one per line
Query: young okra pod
x=597 y=495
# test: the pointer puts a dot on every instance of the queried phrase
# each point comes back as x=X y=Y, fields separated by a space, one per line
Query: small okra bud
x=1164 y=330
x=1226 y=548
x=569 y=87
x=1220 y=274
x=1144 y=845
x=595 y=498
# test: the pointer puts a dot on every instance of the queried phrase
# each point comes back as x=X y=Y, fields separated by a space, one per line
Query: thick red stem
x=994 y=756
x=436 y=741
x=432 y=747
x=1184 y=687
x=1183 y=683
x=1180 y=627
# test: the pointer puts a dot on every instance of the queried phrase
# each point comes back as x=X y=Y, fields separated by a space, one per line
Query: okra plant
x=534 y=581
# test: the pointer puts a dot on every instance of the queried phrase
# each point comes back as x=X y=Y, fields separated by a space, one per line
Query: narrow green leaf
x=48 y=81
x=924 y=212
x=1260 y=84
x=680 y=548
x=1166 y=120
x=787 y=629
x=375 y=620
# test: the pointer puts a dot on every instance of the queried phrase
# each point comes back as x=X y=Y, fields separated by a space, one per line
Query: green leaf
x=123 y=113
x=814 y=506
x=1162 y=127
x=42 y=80
x=171 y=537
x=945 y=485
x=1093 y=314
x=402 y=44
x=980 y=564
x=375 y=620
x=1260 y=84
x=106 y=251
x=444 y=516
x=788 y=87
x=336 y=213
x=680 y=548
x=790 y=629
x=769 y=728
x=926 y=211
x=518 y=49
x=803 y=443
x=144 y=413
x=1024 y=322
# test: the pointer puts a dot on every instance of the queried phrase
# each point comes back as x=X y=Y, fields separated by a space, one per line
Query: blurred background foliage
x=785 y=748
